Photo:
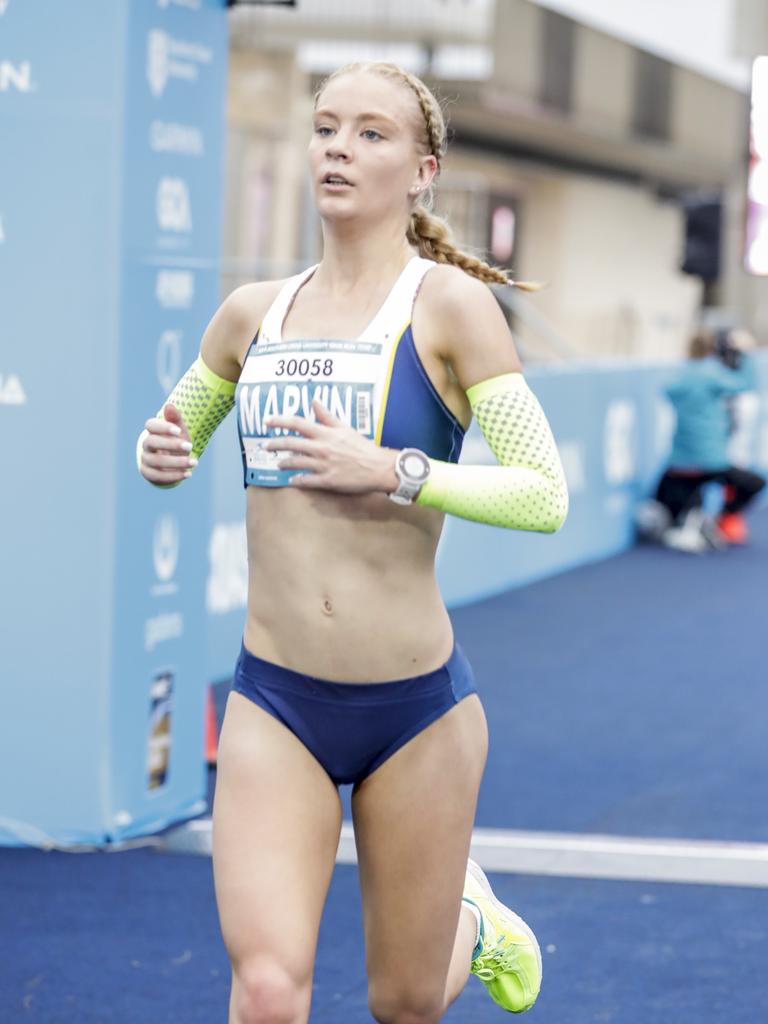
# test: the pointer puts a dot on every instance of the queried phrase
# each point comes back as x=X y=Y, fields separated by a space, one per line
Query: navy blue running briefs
x=352 y=728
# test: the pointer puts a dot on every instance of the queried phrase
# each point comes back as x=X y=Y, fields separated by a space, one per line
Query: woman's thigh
x=413 y=822
x=276 y=824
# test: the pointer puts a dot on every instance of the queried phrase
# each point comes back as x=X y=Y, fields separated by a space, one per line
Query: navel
x=327 y=607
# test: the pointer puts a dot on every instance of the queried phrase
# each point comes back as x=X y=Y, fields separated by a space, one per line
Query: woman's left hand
x=338 y=458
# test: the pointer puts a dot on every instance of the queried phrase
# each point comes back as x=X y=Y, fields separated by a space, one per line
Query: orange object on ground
x=211 y=728
x=733 y=526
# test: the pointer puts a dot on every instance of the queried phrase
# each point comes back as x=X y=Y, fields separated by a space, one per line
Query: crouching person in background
x=719 y=368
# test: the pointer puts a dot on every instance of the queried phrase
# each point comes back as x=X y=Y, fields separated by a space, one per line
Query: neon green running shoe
x=507 y=958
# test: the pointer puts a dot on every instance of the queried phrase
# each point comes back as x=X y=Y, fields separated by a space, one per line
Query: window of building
x=557 y=42
x=652 y=97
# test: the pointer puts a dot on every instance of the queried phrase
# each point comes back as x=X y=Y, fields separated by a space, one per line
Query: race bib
x=283 y=378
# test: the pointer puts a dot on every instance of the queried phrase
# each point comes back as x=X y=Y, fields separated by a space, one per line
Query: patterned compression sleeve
x=527 y=491
x=203 y=399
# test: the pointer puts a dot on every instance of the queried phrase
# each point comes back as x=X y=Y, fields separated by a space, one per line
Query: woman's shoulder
x=462 y=322
x=451 y=285
x=455 y=301
x=234 y=326
x=248 y=303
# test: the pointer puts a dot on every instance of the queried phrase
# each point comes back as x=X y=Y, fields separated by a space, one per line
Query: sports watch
x=412 y=468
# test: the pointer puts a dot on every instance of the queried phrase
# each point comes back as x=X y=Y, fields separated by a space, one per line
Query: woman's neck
x=354 y=255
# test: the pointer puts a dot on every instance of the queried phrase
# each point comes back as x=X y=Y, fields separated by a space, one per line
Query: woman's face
x=364 y=155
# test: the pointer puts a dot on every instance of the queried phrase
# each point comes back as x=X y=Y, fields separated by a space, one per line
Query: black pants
x=680 y=490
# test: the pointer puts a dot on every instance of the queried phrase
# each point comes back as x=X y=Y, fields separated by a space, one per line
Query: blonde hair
x=429 y=233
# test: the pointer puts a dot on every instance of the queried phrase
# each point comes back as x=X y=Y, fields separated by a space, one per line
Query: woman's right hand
x=166 y=448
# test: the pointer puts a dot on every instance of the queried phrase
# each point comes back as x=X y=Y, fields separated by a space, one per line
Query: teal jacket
x=699 y=394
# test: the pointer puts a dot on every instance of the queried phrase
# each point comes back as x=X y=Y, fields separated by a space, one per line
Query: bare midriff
x=342 y=587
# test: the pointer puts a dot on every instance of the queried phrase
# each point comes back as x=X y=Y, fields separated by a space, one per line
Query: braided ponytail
x=428 y=232
x=434 y=240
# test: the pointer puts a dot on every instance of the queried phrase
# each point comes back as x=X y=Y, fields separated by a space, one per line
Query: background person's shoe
x=508 y=959
x=681 y=538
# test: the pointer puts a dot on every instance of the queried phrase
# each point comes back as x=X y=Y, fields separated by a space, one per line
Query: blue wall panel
x=111 y=127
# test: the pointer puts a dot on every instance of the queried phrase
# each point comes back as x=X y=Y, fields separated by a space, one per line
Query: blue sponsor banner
x=59 y=286
x=171 y=212
x=613 y=427
x=110 y=186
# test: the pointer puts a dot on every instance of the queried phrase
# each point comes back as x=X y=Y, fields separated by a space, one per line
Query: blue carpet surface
x=132 y=937
x=629 y=696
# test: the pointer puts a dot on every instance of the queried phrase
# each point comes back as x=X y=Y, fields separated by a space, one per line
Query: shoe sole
x=479 y=876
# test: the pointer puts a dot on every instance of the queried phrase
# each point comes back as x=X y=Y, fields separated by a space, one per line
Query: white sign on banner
x=16 y=76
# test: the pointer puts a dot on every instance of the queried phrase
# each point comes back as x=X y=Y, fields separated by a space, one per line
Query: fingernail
x=188 y=473
x=192 y=461
x=186 y=446
x=174 y=429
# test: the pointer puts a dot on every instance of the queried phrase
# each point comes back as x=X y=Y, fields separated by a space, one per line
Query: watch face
x=415 y=466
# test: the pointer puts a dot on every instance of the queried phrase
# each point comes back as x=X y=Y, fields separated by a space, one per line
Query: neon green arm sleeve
x=527 y=490
x=203 y=399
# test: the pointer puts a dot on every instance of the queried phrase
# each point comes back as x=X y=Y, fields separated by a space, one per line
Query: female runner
x=357 y=389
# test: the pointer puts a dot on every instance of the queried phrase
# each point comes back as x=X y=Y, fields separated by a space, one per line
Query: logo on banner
x=573 y=458
x=169 y=58
x=11 y=390
x=165 y=547
x=157 y=61
x=192 y=5
x=175 y=289
x=166 y=626
x=160 y=736
x=16 y=76
x=171 y=137
x=762 y=447
x=168 y=359
x=664 y=426
x=174 y=212
x=746 y=409
x=227 y=587
x=619 y=441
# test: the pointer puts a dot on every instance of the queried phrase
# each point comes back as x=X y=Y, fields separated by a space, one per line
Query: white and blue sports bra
x=375 y=384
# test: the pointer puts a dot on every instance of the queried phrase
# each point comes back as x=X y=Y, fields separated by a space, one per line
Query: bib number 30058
x=304 y=368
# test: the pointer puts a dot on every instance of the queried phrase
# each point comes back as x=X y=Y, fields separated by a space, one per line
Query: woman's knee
x=264 y=992
x=389 y=1005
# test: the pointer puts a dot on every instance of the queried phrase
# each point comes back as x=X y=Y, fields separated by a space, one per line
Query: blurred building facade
x=573 y=158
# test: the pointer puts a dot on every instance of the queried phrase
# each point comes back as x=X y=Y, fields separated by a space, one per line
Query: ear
x=425 y=174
